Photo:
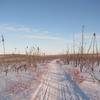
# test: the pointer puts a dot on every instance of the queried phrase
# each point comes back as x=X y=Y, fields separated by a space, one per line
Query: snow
x=19 y=85
x=50 y=81
x=90 y=86
x=58 y=85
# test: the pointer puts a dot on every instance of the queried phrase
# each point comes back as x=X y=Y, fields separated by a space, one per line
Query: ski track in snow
x=57 y=85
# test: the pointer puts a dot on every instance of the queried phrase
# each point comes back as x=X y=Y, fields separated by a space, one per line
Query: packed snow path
x=58 y=85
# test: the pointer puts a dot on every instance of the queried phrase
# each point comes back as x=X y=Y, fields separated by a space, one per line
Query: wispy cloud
x=6 y=28
x=41 y=37
x=31 y=33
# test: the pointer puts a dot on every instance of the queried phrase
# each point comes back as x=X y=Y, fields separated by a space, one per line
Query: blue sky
x=47 y=23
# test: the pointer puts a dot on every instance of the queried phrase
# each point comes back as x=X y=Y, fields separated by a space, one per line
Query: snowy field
x=20 y=85
x=49 y=81
x=90 y=86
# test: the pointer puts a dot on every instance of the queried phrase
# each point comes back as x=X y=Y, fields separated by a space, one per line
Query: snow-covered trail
x=56 y=84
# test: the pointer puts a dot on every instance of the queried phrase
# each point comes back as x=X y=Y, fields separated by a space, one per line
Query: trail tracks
x=56 y=84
